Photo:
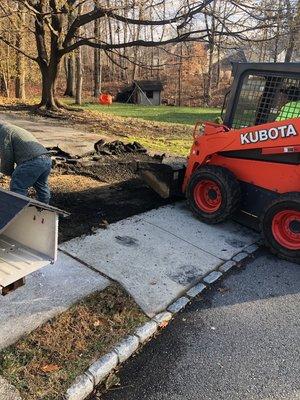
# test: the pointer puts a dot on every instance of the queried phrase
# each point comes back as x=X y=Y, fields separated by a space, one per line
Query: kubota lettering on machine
x=262 y=135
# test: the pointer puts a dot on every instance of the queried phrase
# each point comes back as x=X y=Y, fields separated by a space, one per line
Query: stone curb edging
x=84 y=384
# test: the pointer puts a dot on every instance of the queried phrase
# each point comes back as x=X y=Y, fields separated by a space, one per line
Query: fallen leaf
x=164 y=324
x=103 y=224
x=50 y=368
x=223 y=289
x=111 y=381
x=100 y=321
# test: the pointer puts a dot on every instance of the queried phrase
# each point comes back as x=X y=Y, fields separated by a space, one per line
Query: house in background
x=147 y=93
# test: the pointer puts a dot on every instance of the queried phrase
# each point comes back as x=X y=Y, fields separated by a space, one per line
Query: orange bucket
x=105 y=99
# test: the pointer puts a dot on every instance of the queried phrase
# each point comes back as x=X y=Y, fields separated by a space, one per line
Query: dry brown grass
x=72 y=183
x=4 y=182
x=60 y=183
x=103 y=123
x=128 y=127
x=43 y=364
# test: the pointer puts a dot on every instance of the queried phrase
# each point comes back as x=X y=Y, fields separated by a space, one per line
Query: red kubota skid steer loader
x=248 y=168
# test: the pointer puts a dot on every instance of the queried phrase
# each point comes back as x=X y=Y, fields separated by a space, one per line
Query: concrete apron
x=160 y=254
x=47 y=293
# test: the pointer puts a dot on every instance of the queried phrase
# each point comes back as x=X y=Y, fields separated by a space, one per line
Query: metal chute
x=28 y=237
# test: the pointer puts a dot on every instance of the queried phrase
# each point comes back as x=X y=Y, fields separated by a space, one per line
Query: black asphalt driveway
x=241 y=341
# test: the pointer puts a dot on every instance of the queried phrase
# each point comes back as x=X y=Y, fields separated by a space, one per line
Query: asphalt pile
x=103 y=150
x=117 y=147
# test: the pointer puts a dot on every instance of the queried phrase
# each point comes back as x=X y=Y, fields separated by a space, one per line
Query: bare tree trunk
x=97 y=56
x=49 y=78
x=97 y=72
x=20 y=60
x=180 y=77
x=70 y=74
x=111 y=40
x=294 y=26
x=219 y=42
x=152 y=39
x=71 y=64
x=211 y=50
x=124 y=75
x=3 y=85
x=79 y=76
x=20 y=85
x=48 y=64
x=79 y=69
x=7 y=72
x=136 y=35
x=277 y=32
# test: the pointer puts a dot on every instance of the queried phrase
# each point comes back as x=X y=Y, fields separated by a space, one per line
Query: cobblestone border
x=84 y=384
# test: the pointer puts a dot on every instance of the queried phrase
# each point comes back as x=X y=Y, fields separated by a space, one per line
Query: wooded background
x=80 y=48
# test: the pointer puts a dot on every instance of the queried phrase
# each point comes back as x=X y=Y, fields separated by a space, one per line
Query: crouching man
x=24 y=159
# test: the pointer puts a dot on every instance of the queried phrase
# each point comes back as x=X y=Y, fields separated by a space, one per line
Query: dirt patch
x=99 y=188
x=91 y=202
x=71 y=183
x=108 y=191
x=45 y=363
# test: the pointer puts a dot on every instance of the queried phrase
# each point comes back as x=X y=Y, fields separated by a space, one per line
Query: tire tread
x=289 y=255
x=232 y=188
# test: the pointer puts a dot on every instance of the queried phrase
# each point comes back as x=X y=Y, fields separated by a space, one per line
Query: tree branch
x=29 y=6
x=102 y=12
x=135 y=43
x=8 y=43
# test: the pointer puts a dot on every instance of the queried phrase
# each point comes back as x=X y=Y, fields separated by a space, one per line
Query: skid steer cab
x=247 y=168
x=28 y=238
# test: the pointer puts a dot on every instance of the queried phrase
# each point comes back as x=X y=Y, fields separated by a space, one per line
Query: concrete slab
x=222 y=240
x=160 y=254
x=154 y=266
x=47 y=293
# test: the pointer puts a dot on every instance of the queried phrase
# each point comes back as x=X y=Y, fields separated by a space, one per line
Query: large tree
x=55 y=37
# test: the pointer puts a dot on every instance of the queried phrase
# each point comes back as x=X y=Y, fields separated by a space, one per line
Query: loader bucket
x=166 y=179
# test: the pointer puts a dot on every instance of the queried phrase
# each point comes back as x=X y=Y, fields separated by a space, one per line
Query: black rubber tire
x=288 y=201
x=230 y=191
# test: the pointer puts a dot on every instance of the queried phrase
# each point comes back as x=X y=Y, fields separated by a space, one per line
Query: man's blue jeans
x=33 y=173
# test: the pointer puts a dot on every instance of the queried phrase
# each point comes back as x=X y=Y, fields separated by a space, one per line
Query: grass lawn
x=164 y=129
x=161 y=144
x=179 y=115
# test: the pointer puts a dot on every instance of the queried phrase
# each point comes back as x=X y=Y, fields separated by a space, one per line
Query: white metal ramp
x=28 y=237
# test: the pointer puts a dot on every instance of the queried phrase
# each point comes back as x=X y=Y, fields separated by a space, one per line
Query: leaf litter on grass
x=43 y=364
